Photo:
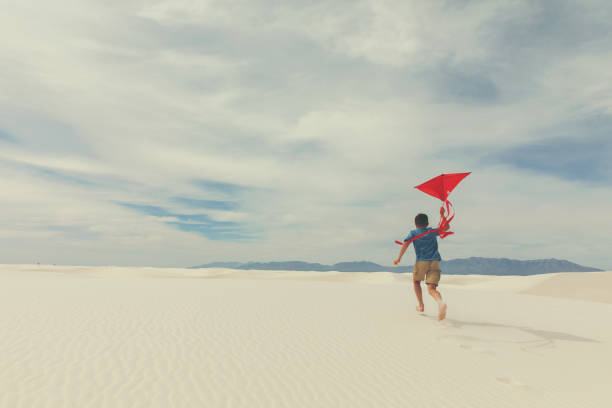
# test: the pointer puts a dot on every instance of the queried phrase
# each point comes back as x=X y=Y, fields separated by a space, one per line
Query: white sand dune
x=146 y=337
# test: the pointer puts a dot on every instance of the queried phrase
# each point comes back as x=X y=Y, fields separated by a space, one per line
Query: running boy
x=427 y=264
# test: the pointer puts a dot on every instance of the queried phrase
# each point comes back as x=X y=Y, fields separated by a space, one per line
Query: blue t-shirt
x=426 y=247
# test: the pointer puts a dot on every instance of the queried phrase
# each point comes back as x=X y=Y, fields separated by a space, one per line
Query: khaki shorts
x=429 y=271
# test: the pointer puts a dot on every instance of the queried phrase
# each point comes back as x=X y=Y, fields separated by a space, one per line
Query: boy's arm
x=401 y=253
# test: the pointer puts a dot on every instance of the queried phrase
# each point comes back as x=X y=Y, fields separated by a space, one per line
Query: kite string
x=415 y=238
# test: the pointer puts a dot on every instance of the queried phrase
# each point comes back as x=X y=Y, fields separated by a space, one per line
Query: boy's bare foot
x=441 y=311
x=420 y=309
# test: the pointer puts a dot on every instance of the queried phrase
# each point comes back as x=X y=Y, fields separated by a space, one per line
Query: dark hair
x=421 y=220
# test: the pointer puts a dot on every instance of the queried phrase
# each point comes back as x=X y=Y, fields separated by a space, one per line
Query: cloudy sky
x=174 y=133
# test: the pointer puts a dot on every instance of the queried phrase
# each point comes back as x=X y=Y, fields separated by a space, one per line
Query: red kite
x=441 y=187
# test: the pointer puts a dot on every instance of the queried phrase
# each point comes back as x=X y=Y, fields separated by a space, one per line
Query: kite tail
x=445 y=220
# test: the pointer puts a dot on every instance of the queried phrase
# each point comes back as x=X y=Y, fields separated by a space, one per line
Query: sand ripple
x=139 y=338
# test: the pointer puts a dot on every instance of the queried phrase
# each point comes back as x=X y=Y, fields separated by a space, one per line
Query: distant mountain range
x=466 y=266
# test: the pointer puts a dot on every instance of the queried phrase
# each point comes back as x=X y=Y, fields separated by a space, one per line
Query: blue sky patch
x=586 y=159
x=64 y=177
x=54 y=175
x=7 y=137
x=41 y=133
x=577 y=151
x=462 y=85
x=147 y=209
x=200 y=224
x=219 y=186
x=207 y=204
x=76 y=178
x=213 y=232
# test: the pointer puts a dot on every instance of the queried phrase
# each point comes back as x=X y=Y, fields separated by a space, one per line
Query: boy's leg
x=418 y=274
x=419 y=294
x=431 y=288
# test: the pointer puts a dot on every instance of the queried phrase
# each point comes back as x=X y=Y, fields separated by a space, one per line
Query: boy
x=427 y=265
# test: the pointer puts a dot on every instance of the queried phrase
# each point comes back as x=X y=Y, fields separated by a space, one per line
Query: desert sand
x=146 y=337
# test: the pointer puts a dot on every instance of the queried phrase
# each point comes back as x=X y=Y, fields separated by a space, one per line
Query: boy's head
x=421 y=220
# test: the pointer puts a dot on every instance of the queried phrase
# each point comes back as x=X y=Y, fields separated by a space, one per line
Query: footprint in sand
x=468 y=343
x=512 y=382
x=477 y=349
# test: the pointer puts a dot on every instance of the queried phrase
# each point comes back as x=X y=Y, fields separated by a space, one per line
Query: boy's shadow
x=541 y=338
